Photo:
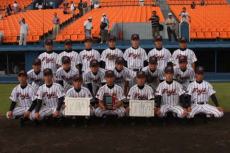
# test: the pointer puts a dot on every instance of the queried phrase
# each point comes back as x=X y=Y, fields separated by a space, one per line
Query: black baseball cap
x=135 y=37
x=22 y=73
x=153 y=60
x=141 y=74
x=112 y=38
x=49 y=42
x=47 y=72
x=65 y=60
x=68 y=42
x=94 y=63
x=77 y=78
x=158 y=38
x=182 y=40
x=37 y=61
x=88 y=39
x=120 y=60
x=169 y=69
x=199 y=70
x=109 y=74
x=183 y=59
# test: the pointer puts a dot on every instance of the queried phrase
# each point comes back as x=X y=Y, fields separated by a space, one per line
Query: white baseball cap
x=169 y=13
x=90 y=17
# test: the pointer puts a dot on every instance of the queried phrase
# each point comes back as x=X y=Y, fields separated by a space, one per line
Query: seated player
x=50 y=98
x=154 y=75
x=170 y=96
x=65 y=74
x=35 y=76
x=23 y=98
x=78 y=91
x=200 y=91
x=110 y=98
x=94 y=78
x=183 y=74
x=123 y=75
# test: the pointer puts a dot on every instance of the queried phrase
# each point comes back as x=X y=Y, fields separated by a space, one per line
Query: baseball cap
x=120 y=60
x=68 y=42
x=112 y=38
x=183 y=59
x=153 y=60
x=109 y=74
x=90 y=18
x=77 y=78
x=22 y=73
x=169 y=69
x=141 y=74
x=103 y=14
x=37 y=61
x=93 y=63
x=199 y=70
x=158 y=38
x=48 y=42
x=169 y=14
x=65 y=60
x=47 y=72
x=135 y=37
x=88 y=39
x=182 y=40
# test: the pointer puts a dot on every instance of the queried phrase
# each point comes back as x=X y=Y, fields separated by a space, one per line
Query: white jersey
x=49 y=60
x=23 y=96
x=170 y=92
x=86 y=56
x=116 y=91
x=135 y=57
x=50 y=95
x=109 y=56
x=124 y=75
x=36 y=80
x=72 y=55
x=66 y=77
x=163 y=57
x=188 y=52
x=184 y=77
x=200 y=92
x=135 y=93
x=83 y=93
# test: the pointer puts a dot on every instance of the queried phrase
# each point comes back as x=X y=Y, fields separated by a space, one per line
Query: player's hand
x=157 y=111
x=56 y=114
x=189 y=109
x=37 y=116
x=27 y=114
x=10 y=115
x=185 y=113
x=220 y=109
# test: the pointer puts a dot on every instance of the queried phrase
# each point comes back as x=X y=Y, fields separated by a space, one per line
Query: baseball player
x=123 y=75
x=94 y=78
x=49 y=58
x=23 y=98
x=135 y=56
x=65 y=74
x=183 y=74
x=70 y=53
x=184 y=51
x=35 y=75
x=110 y=98
x=154 y=75
x=169 y=96
x=78 y=91
x=200 y=91
x=162 y=54
x=50 y=98
x=88 y=54
x=109 y=55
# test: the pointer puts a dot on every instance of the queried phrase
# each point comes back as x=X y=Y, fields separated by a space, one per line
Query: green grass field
x=223 y=94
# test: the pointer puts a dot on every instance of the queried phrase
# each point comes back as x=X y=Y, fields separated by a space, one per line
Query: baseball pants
x=44 y=112
x=120 y=112
x=18 y=112
x=23 y=39
x=178 y=110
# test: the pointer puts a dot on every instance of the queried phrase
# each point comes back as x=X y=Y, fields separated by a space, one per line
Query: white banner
x=77 y=106
x=141 y=108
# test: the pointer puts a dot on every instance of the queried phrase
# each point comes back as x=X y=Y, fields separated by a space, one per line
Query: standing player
x=169 y=95
x=23 y=98
x=135 y=56
x=184 y=51
x=183 y=74
x=70 y=53
x=200 y=91
x=110 y=98
x=35 y=76
x=88 y=54
x=162 y=54
x=50 y=98
x=154 y=75
x=109 y=55
x=94 y=78
x=65 y=74
x=49 y=58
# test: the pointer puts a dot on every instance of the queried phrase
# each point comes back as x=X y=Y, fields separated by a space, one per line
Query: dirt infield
x=122 y=136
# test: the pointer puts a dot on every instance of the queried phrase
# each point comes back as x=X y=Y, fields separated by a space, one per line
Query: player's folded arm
x=33 y=105
x=60 y=103
x=158 y=101
x=214 y=99
x=38 y=105
x=12 y=105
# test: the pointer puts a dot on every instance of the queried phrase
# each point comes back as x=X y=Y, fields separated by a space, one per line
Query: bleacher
x=188 y=2
x=109 y=3
x=21 y=3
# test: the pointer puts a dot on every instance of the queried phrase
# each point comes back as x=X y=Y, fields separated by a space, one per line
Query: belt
x=201 y=103
x=136 y=70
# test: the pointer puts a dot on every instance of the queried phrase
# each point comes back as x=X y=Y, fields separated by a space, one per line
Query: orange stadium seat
x=21 y=3
x=188 y=2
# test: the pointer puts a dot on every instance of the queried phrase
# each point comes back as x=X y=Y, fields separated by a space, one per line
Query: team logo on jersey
x=23 y=96
x=199 y=91
x=169 y=92
x=179 y=55
x=140 y=97
x=88 y=57
x=49 y=95
x=133 y=55
x=159 y=57
x=48 y=60
x=111 y=56
x=182 y=78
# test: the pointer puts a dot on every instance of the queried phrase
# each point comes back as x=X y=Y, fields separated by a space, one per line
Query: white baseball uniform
x=136 y=93
x=184 y=77
x=36 y=80
x=72 y=55
x=109 y=56
x=49 y=60
x=200 y=93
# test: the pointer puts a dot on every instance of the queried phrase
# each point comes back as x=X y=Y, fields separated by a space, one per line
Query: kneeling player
x=110 y=98
x=200 y=91
x=50 y=98
x=169 y=94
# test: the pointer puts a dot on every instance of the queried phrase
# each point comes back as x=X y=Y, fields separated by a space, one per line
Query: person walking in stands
x=88 y=26
x=171 y=26
x=23 y=32
x=80 y=8
x=15 y=7
x=184 y=15
x=56 y=25
x=72 y=8
x=8 y=10
x=155 y=20
x=104 y=28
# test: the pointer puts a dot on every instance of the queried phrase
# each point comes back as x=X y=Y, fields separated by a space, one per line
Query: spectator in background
x=193 y=5
x=155 y=20
x=8 y=10
x=56 y=25
x=15 y=7
x=65 y=7
x=72 y=8
x=23 y=32
x=104 y=28
x=96 y=5
x=88 y=26
x=184 y=15
x=141 y=2
x=80 y=8
x=202 y=2
x=1 y=37
x=171 y=26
